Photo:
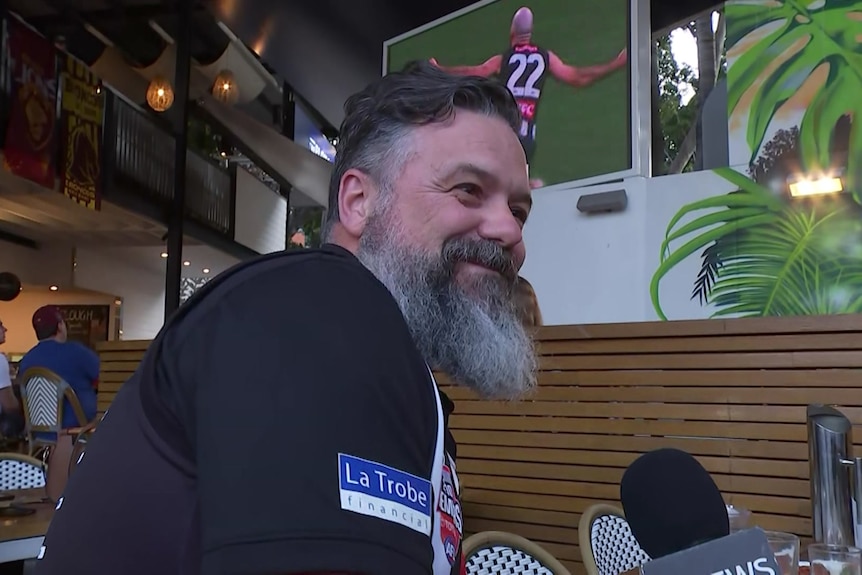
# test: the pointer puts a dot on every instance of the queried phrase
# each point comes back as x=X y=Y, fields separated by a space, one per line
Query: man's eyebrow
x=467 y=168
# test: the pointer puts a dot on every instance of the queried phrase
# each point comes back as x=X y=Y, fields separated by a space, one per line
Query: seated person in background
x=11 y=422
x=528 y=304
x=75 y=363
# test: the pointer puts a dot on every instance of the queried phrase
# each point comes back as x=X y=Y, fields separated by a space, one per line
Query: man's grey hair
x=375 y=135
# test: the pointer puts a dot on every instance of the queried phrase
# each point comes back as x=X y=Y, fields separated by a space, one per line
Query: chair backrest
x=20 y=472
x=608 y=546
x=500 y=553
x=42 y=394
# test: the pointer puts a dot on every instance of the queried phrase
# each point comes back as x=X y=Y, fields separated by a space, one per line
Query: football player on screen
x=524 y=68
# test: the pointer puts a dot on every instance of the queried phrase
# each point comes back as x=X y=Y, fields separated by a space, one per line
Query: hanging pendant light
x=10 y=286
x=160 y=94
x=225 y=88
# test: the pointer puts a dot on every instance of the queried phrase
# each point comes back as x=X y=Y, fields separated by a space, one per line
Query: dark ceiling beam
x=106 y=16
x=65 y=18
x=208 y=40
x=70 y=20
x=353 y=22
x=127 y=27
x=117 y=9
x=19 y=240
x=84 y=46
x=139 y=43
x=328 y=14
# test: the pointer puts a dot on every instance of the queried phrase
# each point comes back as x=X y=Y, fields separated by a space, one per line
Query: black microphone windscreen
x=671 y=503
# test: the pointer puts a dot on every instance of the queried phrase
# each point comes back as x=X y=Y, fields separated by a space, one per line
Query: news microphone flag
x=742 y=553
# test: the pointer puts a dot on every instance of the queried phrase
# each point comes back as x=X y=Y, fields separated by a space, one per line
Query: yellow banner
x=83 y=106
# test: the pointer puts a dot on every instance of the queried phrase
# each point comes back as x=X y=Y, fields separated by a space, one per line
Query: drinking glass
x=738 y=517
x=785 y=547
x=835 y=559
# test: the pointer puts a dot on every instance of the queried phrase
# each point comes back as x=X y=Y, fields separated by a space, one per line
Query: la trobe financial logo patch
x=384 y=492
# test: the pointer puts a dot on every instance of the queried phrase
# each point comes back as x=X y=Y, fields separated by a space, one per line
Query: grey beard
x=476 y=338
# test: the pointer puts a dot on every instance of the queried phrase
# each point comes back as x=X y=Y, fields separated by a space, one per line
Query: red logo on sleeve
x=451 y=520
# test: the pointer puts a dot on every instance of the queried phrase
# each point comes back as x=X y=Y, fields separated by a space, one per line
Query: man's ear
x=354 y=201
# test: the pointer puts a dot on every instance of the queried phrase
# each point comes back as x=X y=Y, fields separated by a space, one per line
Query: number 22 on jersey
x=516 y=84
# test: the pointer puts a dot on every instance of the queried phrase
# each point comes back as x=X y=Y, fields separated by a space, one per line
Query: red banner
x=29 y=148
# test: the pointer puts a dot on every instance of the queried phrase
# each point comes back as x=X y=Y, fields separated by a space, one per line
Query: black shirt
x=282 y=421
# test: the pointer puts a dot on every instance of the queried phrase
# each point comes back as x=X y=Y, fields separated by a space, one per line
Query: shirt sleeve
x=5 y=378
x=315 y=427
x=86 y=365
x=23 y=366
x=91 y=363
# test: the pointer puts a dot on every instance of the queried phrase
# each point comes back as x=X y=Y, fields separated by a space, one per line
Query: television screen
x=307 y=134
x=567 y=62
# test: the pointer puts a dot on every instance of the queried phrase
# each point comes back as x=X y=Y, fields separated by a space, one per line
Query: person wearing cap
x=528 y=303
x=74 y=362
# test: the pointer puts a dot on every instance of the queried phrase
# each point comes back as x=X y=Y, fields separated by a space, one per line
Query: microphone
x=671 y=503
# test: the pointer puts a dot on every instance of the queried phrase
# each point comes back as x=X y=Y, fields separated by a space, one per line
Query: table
x=21 y=537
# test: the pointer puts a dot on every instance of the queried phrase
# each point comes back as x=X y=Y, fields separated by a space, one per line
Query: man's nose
x=499 y=225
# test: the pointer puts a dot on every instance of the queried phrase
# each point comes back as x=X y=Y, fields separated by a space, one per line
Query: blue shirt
x=75 y=363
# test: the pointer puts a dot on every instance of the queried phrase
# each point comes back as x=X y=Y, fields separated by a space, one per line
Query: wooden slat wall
x=119 y=360
x=732 y=392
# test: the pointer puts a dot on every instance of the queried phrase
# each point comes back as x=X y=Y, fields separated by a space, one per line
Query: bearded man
x=286 y=420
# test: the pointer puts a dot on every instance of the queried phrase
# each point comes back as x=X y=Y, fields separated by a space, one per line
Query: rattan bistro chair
x=500 y=553
x=42 y=395
x=19 y=471
x=608 y=546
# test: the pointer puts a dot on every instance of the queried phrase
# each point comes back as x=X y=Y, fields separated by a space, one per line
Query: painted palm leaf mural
x=798 y=58
x=795 y=92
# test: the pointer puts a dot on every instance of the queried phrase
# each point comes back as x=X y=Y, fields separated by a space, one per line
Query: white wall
x=666 y=195
x=598 y=268
x=261 y=215
x=142 y=289
x=51 y=264
x=137 y=276
x=584 y=267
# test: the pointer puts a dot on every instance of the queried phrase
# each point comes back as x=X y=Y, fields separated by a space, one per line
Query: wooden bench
x=732 y=392
x=119 y=360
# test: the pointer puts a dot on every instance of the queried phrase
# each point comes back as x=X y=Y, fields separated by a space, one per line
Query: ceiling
x=84 y=24
x=325 y=49
x=148 y=259
x=329 y=49
x=45 y=217
x=36 y=213
x=127 y=43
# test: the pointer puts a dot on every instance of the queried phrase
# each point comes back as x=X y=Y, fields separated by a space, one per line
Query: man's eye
x=520 y=214
x=471 y=189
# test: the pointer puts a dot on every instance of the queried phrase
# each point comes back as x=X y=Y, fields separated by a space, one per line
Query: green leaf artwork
x=766 y=256
x=762 y=251
x=799 y=55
